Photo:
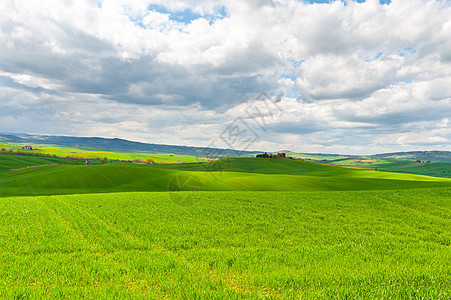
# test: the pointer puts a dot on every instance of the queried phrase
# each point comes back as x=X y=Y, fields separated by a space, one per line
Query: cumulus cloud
x=179 y=71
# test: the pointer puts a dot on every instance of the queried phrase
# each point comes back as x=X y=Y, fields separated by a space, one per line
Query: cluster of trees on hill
x=269 y=155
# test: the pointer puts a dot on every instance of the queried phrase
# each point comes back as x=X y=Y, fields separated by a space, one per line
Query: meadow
x=227 y=229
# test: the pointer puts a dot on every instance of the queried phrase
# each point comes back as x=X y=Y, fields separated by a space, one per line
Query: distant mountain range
x=417 y=155
x=120 y=145
x=130 y=146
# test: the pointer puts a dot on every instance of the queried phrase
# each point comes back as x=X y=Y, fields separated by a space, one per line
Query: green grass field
x=228 y=229
x=228 y=245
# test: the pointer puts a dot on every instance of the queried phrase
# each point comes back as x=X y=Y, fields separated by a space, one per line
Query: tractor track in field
x=27 y=167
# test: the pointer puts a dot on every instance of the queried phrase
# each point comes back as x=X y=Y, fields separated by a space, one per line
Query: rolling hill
x=239 y=174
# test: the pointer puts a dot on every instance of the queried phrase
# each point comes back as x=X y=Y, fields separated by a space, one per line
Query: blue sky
x=359 y=1
x=349 y=77
x=187 y=14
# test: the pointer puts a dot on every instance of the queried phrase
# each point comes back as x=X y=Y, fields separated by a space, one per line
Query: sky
x=348 y=77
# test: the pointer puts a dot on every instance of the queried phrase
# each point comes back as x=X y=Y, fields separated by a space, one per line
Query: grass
x=228 y=245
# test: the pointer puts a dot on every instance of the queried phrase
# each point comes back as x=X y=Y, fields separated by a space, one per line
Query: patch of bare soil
x=27 y=167
x=364 y=160
x=412 y=165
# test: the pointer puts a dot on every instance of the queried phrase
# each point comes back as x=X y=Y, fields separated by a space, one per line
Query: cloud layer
x=349 y=77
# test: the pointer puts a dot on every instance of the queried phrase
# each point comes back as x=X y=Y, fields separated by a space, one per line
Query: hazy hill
x=125 y=145
x=121 y=145
x=417 y=155
x=402 y=156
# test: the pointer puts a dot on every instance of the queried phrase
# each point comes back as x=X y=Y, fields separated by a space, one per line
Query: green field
x=228 y=229
x=317 y=245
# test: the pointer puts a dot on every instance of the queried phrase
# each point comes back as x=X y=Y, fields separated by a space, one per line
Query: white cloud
x=367 y=75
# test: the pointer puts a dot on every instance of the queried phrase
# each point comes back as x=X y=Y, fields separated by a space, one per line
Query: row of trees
x=270 y=155
x=11 y=152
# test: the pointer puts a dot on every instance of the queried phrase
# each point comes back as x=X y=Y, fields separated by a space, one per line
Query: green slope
x=434 y=168
x=223 y=175
x=8 y=162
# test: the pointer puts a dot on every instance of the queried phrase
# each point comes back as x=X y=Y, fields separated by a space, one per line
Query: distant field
x=240 y=174
x=433 y=168
x=228 y=245
x=418 y=155
x=101 y=154
x=312 y=156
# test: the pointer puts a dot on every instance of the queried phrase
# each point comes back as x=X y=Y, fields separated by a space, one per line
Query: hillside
x=239 y=174
x=120 y=145
x=417 y=155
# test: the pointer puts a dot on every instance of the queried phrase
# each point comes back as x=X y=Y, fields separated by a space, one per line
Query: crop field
x=364 y=244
